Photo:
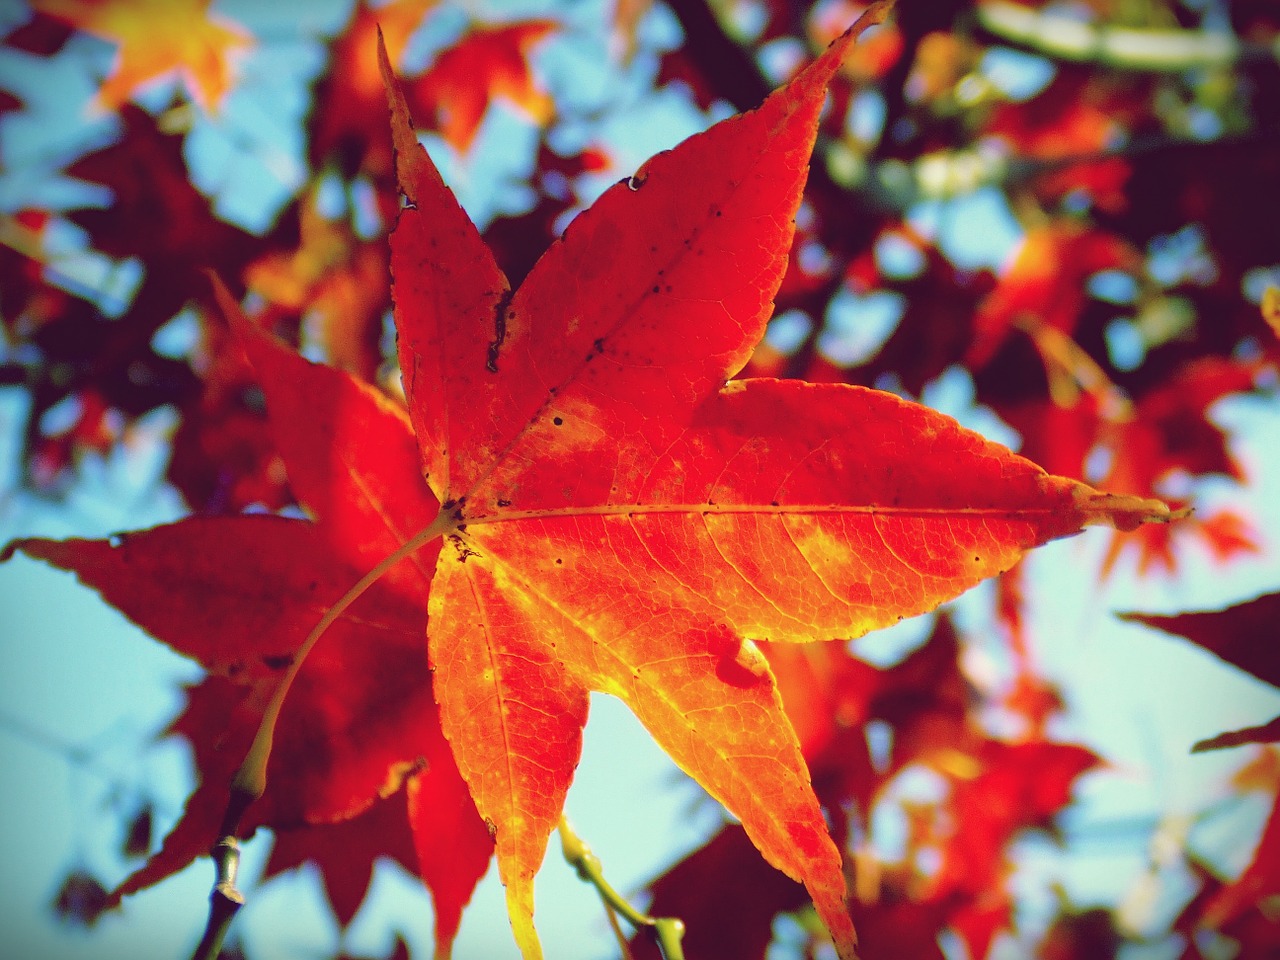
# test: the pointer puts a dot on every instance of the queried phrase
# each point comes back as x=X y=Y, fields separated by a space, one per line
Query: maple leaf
x=155 y=39
x=232 y=594
x=1044 y=283
x=1078 y=114
x=488 y=63
x=607 y=511
x=348 y=124
x=619 y=519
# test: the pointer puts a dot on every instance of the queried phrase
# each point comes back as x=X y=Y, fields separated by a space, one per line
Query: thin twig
x=667 y=931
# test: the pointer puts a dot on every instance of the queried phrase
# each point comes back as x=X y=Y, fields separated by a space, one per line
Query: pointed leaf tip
x=409 y=155
x=1123 y=511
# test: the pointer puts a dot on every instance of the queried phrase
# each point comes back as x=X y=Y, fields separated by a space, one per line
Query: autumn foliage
x=643 y=441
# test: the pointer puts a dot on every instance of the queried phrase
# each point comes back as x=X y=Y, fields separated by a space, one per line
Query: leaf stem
x=225 y=901
x=250 y=780
x=667 y=931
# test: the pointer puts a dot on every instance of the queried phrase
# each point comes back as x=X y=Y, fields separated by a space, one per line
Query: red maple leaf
x=489 y=63
x=614 y=514
x=237 y=595
x=620 y=520
x=1044 y=283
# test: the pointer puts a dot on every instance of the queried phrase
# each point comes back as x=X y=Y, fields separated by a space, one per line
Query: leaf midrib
x=728 y=509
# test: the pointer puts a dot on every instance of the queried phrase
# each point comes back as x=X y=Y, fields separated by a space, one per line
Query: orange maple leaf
x=619 y=519
x=488 y=63
x=155 y=39
x=615 y=514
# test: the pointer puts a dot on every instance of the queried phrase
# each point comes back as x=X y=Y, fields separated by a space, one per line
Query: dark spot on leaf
x=557 y=421
x=464 y=551
x=500 y=317
x=773 y=503
x=503 y=503
x=448 y=504
x=656 y=289
x=277 y=661
x=559 y=562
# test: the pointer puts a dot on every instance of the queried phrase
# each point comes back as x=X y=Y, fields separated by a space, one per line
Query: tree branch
x=1161 y=51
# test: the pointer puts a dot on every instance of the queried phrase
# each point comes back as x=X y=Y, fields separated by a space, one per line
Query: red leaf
x=489 y=63
x=1242 y=635
x=620 y=521
x=620 y=517
x=1045 y=283
x=1260 y=880
x=238 y=594
x=1267 y=733
x=727 y=896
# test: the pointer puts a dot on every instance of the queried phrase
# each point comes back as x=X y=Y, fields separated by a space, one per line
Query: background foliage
x=1056 y=222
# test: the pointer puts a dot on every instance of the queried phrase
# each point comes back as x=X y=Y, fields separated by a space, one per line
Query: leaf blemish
x=500 y=317
x=464 y=551
x=743 y=666
x=558 y=421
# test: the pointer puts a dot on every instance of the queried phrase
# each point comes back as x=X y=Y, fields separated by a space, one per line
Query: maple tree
x=591 y=481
